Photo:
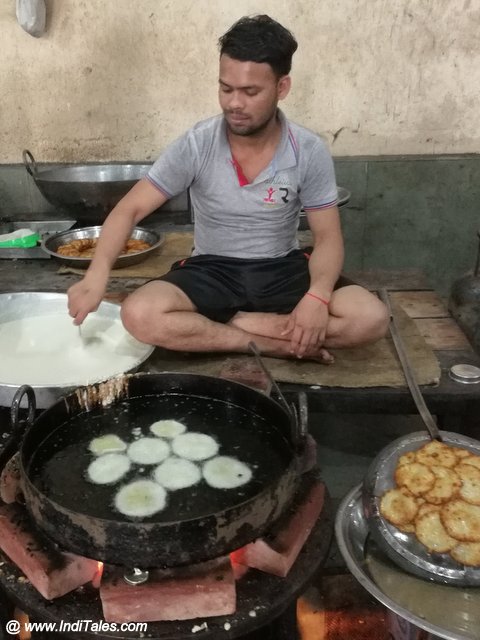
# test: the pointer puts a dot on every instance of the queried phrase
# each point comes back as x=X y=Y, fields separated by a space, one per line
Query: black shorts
x=220 y=286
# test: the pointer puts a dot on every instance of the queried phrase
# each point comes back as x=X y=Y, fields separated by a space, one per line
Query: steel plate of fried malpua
x=51 y=244
x=450 y=612
x=404 y=548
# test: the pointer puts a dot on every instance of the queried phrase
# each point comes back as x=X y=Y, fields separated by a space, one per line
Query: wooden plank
x=404 y=280
x=420 y=304
x=442 y=334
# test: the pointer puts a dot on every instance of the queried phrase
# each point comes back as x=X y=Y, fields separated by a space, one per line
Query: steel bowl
x=50 y=245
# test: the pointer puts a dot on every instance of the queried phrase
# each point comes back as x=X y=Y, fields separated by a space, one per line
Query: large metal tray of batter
x=404 y=548
x=16 y=306
x=450 y=612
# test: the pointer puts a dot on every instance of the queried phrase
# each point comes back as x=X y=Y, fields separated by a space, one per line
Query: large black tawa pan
x=198 y=523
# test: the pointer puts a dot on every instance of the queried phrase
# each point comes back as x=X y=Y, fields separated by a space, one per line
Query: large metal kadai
x=199 y=522
x=87 y=191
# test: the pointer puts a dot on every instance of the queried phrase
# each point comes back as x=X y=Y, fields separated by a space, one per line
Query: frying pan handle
x=299 y=420
x=29 y=162
x=18 y=427
x=299 y=414
x=281 y=398
x=302 y=414
x=24 y=390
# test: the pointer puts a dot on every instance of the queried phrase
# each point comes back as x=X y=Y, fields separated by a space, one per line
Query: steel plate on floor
x=450 y=612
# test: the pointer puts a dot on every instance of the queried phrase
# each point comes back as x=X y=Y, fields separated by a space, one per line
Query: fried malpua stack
x=85 y=247
x=78 y=248
x=437 y=498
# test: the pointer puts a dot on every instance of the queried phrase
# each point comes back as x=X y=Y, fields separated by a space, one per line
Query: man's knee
x=366 y=316
x=136 y=314
x=377 y=320
x=146 y=312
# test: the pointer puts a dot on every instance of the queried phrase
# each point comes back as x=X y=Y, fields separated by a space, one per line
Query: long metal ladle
x=423 y=410
x=82 y=337
x=87 y=340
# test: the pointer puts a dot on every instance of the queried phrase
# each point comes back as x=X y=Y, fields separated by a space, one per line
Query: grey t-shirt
x=246 y=220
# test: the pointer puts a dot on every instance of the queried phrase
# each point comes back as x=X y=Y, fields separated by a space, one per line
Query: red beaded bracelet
x=312 y=295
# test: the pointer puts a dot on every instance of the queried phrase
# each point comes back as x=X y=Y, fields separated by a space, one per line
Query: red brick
x=51 y=571
x=309 y=457
x=198 y=591
x=277 y=554
x=10 y=489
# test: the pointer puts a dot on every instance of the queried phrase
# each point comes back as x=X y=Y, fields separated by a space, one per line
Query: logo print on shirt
x=284 y=197
x=270 y=192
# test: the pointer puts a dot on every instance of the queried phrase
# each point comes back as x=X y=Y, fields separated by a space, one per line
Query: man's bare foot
x=324 y=356
x=319 y=354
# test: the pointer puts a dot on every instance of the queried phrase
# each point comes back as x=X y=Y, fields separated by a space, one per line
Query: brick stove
x=250 y=595
x=295 y=548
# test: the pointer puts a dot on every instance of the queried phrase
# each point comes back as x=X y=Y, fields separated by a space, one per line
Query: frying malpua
x=108 y=468
x=195 y=446
x=140 y=499
x=148 y=451
x=177 y=473
x=225 y=472
x=109 y=443
x=167 y=428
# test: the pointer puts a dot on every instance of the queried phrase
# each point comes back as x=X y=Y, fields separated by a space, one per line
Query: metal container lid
x=465 y=373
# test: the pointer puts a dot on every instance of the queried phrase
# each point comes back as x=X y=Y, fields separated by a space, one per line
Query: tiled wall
x=404 y=212
x=412 y=212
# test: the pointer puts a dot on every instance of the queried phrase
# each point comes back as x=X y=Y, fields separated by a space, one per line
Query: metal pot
x=87 y=191
x=198 y=523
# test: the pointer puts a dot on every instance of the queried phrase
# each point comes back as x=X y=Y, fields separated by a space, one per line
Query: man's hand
x=83 y=297
x=306 y=326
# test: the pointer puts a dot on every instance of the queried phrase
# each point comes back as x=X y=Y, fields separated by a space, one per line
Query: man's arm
x=308 y=321
x=139 y=202
x=326 y=260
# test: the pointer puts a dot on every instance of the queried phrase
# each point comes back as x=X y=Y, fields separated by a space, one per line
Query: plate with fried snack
x=421 y=498
x=76 y=247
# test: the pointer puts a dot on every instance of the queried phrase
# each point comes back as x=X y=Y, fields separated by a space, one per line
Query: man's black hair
x=260 y=39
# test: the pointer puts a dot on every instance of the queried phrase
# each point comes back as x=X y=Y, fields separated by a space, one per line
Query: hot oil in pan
x=58 y=466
